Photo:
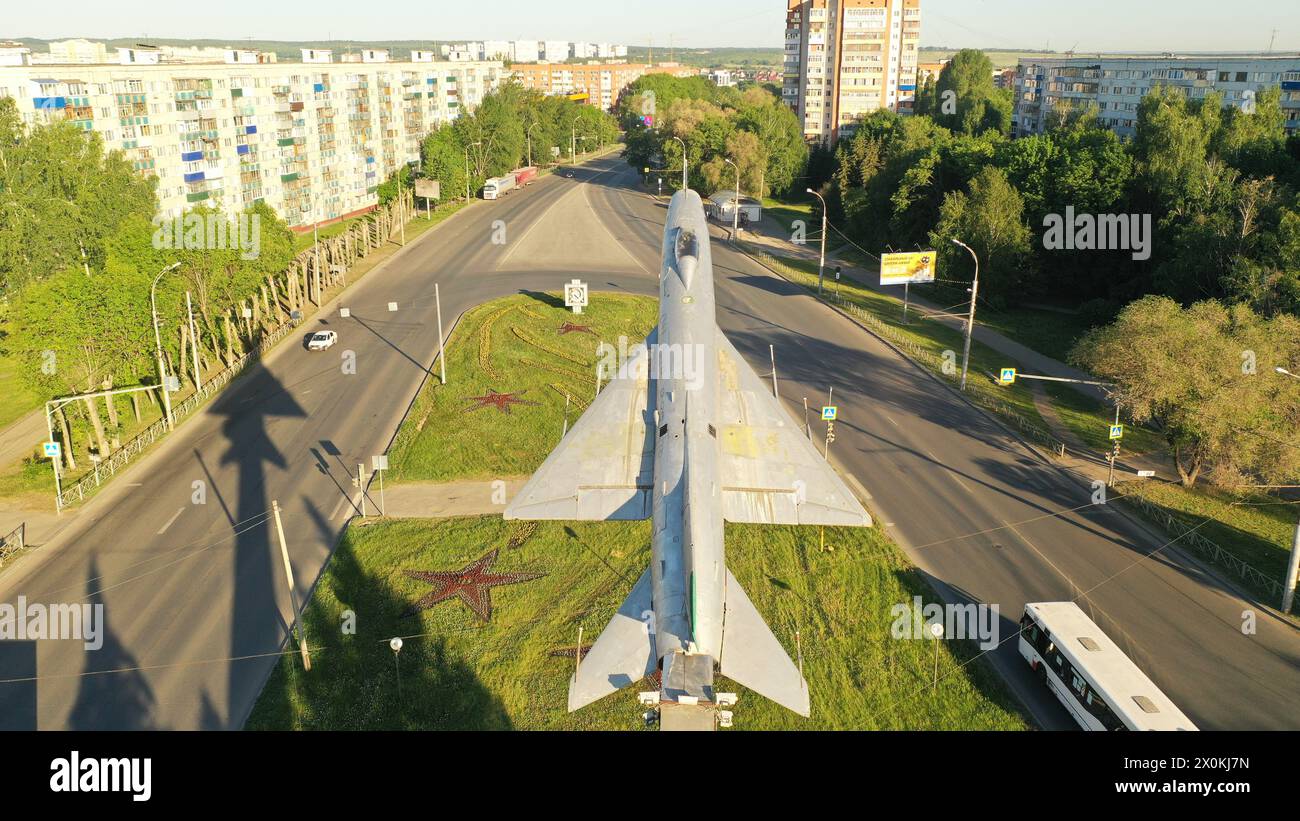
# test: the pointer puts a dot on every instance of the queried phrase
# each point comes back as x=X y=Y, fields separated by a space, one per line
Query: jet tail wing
x=752 y=656
x=623 y=655
x=604 y=468
x=771 y=473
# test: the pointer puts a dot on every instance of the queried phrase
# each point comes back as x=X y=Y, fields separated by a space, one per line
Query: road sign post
x=293 y=594
x=575 y=296
x=379 y=464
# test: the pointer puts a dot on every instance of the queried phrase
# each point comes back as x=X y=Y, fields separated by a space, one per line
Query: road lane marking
x=891 y=420
x=170 y=521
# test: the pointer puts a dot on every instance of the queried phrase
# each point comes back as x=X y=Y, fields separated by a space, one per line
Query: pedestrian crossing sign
x=830 y=413
x=52 y=450
x=1008 y=376
x=1116 y=431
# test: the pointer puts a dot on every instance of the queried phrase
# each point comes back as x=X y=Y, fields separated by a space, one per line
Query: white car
x=322 y=340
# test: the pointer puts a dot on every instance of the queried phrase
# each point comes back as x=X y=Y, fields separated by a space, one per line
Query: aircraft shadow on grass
x=357 y=682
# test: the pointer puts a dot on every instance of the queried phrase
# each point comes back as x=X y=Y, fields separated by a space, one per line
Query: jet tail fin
x=623 y=655
x=752 y=656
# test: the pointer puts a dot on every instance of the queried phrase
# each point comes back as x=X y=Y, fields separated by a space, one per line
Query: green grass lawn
x=786 y=212
x=1254 y=527
x=511 y=345
x=1090 y=420
x=459 y=673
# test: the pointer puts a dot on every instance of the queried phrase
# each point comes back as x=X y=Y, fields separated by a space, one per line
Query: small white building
x=721 y=207
x=420 y=55
x=317 y=55
x=374 y=55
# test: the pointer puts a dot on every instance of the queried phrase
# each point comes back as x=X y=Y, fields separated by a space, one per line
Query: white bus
x=1100 y=686
x=496 y=186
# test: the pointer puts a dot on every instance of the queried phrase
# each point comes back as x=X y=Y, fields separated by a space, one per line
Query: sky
x=1095 y=25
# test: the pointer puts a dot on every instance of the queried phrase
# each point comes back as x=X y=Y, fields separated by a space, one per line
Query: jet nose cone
x=686 y=267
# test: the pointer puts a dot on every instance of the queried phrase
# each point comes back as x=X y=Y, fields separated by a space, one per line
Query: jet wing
x=771 y=473
x=604 y=468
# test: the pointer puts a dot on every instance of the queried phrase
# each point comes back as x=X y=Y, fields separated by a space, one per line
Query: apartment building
x=601 y=83
x=313 y=140
x=847 y=58
x=1117 y=84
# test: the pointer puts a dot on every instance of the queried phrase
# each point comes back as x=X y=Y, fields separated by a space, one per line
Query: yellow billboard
x=899 y=269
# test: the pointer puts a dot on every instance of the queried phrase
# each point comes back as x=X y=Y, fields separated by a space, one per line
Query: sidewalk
x=442 y=500
x=22 y=437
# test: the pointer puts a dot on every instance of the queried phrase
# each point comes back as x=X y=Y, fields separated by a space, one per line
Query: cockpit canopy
x=688 y=254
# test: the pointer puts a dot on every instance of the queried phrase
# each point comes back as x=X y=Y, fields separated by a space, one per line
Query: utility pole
x=361 y=485
x=442 y=355
x=157 y=338
x=293 y=594
x=970 y=321
x=401 y=204
x=529 y=134
x=771 y=352
x=315 y=240
x=684 y=163
x=821 y=265
x=480 y=142
x=194 y=344
x=1293 y=569
x=735 y=206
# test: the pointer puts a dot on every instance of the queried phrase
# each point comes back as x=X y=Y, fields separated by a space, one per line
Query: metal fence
x=87 y=484
x=14 y=542
x=1184 y=534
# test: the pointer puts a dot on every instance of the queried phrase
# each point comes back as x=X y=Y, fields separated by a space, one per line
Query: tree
x=990 y=219
x=967 y=100
x=1204 y=374
x=61 y=197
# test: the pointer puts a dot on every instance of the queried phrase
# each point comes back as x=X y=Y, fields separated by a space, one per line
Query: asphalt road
x=194 y=595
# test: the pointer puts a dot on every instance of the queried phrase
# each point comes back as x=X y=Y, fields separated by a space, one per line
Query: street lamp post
x=1293 y=566
x=821 y=265
x=529 y=134
x=573 y=140
x=157 y=338
x=467 y=169
x=684 y=161
x=735 y=207
x=315 y=241
x=970 y=321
